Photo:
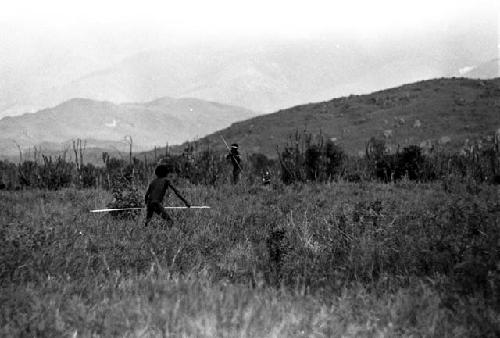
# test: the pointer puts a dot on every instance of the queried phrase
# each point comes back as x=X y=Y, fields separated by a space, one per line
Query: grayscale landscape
x=250 y=169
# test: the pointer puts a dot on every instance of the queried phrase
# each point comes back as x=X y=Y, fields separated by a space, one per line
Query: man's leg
x=149 y=215
x=236 y=175
x=164 y=215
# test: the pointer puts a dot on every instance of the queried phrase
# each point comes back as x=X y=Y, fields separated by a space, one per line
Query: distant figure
x=266 y=177
x=155 y=194
x=235 y=158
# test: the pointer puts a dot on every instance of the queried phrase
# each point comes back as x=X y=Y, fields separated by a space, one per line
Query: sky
x=195 y=20
x=110 y=29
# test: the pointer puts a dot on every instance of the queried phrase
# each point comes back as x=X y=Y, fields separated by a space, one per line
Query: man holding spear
x=235 y=158
x=157 y=190
x=155 y=194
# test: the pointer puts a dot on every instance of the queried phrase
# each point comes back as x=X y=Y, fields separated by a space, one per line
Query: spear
x=123 y=209
x=223 y=140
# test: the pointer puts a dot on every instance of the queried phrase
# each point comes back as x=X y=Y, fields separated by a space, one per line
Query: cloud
x=111 y=125
x=466 y=69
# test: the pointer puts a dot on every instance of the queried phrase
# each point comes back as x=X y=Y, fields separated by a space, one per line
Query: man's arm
x=179 y=195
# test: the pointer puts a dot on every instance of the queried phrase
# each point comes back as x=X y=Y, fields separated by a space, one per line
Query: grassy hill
x=105 y=124
x=443 y=111
x=446 y=110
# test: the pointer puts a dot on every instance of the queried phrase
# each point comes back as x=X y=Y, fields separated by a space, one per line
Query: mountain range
x=442 y=112
x=261 y=76
x=105 y=124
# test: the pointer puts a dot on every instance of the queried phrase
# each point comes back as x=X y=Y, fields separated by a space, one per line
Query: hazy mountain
x=446 y=111
x=263 y=76
x=105 y=123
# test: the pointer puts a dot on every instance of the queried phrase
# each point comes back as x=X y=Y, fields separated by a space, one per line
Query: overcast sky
x=148 y=23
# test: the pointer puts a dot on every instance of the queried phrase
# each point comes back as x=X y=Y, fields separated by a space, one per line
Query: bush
x=125 y=195
x=314 y=160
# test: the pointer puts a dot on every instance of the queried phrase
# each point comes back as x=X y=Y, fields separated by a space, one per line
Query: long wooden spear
x=123 y=209
x=223 y=140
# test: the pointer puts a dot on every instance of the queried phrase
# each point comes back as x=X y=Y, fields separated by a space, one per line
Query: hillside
x=447 y=110
x=106 y=124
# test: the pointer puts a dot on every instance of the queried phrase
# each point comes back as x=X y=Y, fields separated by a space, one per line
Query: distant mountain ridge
x=445 y=111
x=263 y=77
x=105 y=124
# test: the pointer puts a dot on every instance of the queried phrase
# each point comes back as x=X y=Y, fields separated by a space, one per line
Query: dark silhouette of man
x=155 y=194
x=235 y=158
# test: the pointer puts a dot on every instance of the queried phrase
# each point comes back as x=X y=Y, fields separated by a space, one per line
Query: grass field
x=315 y=260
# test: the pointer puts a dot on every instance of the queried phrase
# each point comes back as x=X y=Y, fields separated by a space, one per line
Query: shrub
x=125 y=195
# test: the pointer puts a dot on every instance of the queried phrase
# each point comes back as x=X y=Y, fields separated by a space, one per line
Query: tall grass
x=354 y=259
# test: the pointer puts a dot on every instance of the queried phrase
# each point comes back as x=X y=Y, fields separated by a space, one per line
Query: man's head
x=234 y=147
x=161 y=171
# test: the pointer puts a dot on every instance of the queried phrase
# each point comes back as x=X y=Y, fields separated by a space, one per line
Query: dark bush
x=311 y=158
x=90 y=175
x=125 y=195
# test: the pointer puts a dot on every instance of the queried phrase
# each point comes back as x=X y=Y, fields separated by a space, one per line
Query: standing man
x=266 y=177
x=235 y=158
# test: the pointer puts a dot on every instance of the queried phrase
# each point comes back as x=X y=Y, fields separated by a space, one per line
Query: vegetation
x=393 y=243
x=435 y=113
x=325 y=259
x=305 y=158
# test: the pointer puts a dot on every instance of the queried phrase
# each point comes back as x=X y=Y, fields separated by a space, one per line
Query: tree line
x=303 y=158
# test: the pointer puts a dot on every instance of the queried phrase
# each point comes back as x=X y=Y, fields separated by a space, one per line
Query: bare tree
x=79 y=147
x=130 y=142
x=20 y=151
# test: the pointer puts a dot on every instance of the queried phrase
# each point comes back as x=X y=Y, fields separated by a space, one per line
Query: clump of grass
x=125 y=195
x=159 y=303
